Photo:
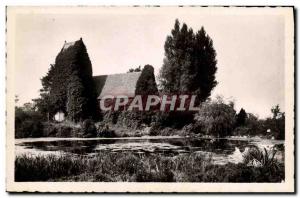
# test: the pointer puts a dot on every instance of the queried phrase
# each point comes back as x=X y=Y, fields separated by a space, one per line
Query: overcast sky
x=250 y=49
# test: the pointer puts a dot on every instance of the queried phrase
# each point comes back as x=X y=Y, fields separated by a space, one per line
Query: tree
x=138 y=69
x=216 y=118
x=189 y=65
x=44 y=106
x=28 y=106
x=176 y=55
x=28 y=122
x=241 y=118
x=254 y=125
x=16 y=99
x=204 y=65
x=278 y=120
x=146 y=84
x=281 y=127
x=275 y=111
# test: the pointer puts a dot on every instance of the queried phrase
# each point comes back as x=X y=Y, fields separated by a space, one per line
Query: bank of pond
x=157 y=159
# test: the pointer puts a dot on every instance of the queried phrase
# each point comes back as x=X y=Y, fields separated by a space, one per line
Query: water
x=221 y=151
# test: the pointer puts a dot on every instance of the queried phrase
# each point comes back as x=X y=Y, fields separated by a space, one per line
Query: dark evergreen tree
x=43 y=103
x=169 y=73
x=190 y=63
x=44 y=106
x=241 y=118
x=203 y=66
x=146 y=84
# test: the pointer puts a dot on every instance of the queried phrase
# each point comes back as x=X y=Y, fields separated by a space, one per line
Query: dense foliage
x=128 y=167
x=88 y=128
x=241 y=118
x=28 y=123
x=270 y=127
x=216 y=118
x=190 y=63
x=277 y=123
x=146 y=84
x=77 y=103
x=71 y=61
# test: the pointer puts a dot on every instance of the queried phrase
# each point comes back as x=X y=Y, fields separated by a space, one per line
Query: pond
x=221 y=151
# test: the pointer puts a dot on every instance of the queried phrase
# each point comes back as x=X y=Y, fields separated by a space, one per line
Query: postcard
x=185 y=99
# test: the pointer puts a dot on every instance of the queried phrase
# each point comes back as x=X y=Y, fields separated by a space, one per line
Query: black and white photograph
x=150 y=99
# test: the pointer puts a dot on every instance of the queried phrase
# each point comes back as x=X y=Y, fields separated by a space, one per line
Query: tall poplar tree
x=189 y=65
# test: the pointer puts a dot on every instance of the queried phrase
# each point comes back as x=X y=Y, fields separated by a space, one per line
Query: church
x=118 y=84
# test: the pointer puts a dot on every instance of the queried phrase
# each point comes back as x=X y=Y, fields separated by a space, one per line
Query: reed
x=129 y=167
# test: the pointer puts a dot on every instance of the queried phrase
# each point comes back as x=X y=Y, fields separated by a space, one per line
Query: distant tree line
x=248 y=124
x=138 y=69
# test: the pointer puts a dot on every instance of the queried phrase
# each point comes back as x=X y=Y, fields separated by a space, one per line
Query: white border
x=288 y=186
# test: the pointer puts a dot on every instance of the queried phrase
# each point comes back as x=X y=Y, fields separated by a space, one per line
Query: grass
x=129 y=167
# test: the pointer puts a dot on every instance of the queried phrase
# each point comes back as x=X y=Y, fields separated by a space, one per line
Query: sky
x=250 y=49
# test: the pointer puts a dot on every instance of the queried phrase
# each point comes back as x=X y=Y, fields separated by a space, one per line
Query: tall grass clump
x=130 y=167
x=265 y=163
x=43 y=168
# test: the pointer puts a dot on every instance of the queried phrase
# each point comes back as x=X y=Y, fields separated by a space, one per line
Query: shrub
x=28 y=123
x=64 y=131
x=89 y=128
x=241 y=131
x=216 y=118
x=262 y=158
x=146 y=84
x=192 y=128
x=104 y=131
x=268 y=168
x=173 y=119
x=154 y=129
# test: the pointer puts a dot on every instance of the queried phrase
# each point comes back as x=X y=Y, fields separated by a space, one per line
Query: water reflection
x=221 y=150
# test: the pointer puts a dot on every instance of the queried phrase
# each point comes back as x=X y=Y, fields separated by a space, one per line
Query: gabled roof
x=116 y=84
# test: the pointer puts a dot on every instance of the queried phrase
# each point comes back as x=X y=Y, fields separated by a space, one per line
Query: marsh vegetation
x=129 y=167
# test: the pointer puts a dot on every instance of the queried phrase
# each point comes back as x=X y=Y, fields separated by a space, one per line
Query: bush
x=193 y=128
x=104 y=131
x=28 y=123
x=216 y=118
x=88 y=128
x=154 y=129
x=241 y=131
x=173 y=119
x=65 y=131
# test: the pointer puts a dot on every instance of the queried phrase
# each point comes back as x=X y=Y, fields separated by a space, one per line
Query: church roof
x=116 y=84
